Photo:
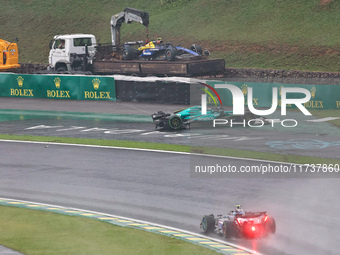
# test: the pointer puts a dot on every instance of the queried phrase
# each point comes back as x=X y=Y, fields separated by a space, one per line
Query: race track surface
x=132 y=121
x=158 y=187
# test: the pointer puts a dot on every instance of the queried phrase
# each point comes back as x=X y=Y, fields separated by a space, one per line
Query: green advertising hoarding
x=322 y=96
x=57 y=86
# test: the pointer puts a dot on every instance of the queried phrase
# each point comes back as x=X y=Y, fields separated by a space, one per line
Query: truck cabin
x=67 y=52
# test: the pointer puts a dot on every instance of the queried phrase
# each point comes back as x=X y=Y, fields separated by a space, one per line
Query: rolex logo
x=57 y=82
x=20 y=81
x=281 y=89
x=313 y=91
x=244 y=88
x=96 y=83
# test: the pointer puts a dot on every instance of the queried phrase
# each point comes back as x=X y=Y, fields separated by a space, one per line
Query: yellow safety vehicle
x=8 y=56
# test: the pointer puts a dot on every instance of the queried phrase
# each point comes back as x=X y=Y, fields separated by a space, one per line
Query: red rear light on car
x=251 y=230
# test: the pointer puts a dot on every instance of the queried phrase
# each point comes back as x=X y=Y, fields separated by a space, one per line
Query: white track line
x=147 y=150
x=324 y=119
x=150 y=150
x=138 y=221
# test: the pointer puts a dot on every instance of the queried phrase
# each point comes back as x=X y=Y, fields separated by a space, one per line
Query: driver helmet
x=239 y=210
x=159 y=40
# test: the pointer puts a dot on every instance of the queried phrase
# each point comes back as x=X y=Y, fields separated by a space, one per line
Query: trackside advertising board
x=57 y=86
x=263 y=94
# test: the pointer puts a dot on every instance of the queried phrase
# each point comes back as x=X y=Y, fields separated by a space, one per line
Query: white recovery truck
x=80 y=53
x=72 y=52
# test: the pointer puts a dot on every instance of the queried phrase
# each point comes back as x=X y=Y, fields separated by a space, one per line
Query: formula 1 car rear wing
x=251 y=214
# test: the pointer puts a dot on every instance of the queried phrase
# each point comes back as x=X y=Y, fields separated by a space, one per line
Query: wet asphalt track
x=157 y=187
x=72 y=119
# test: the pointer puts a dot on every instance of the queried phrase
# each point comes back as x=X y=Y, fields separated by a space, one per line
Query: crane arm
x=127 y=16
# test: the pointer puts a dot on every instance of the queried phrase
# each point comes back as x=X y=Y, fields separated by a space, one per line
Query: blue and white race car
x=183 y=118
x=239 y=223
x=160 y=51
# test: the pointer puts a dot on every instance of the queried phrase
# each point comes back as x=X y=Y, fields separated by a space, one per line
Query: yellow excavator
x=8 y=56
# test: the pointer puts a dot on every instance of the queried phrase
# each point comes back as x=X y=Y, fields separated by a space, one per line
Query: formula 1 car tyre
x=270 y=226
x=249 y=116
x=208 y=223
x=196 y=48
x=228 y=229
x=128 y=53
x=175 y=122
x=170 y=53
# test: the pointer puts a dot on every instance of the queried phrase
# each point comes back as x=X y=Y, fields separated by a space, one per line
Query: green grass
x=44 y=233
x=277 y=34
x=99 y=142
x=175 y=147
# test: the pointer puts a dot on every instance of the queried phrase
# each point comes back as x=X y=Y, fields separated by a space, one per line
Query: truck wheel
x=170 y=53
x=175 y=122
x=128 y=53
x=61 y=69
x=228 y=229
x=196 y=48
x=208 y=223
